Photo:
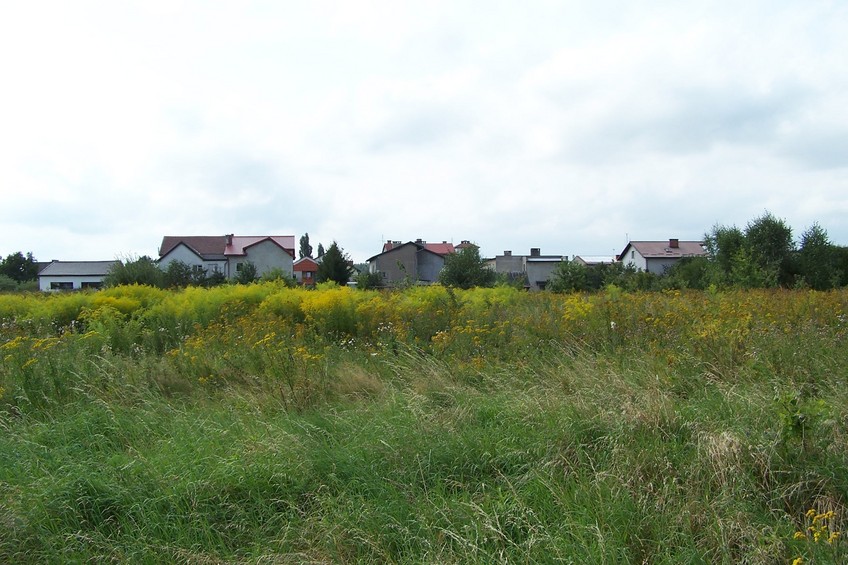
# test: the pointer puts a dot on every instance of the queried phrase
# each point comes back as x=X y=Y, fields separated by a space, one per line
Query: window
x=238 y=267
x=633 y=254
x=61 y=286
x=92 y=284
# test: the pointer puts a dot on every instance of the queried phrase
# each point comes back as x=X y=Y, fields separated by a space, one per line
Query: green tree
x=305 y=248
x=142 y=270
x=7 y=283
x=179 y=274
x=466 y=269
x=18 y=267
x=246 y=273
x=368 y=281
x=817 y=259
x=770 y=247
x=723 y=244
x=334 y=266
x=569 y=277
x=320 y=249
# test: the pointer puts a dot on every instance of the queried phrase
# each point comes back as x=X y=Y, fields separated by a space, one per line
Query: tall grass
x=263 y=424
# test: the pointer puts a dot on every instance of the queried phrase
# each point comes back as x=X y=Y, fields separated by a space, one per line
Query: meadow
x=263 y=424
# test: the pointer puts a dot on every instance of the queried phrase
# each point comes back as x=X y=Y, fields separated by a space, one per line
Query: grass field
x=259 y=424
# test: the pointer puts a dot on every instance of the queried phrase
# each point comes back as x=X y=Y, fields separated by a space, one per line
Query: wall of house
x=659 y=265
x=634 y=258
x=539 y=272
x=509 y=264
x=189 y=257
x=77 y=281
x=429 y=266
x=265 y=255
x=387 y=263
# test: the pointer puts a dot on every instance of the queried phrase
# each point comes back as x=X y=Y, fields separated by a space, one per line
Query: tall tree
x=305 y=248
x=817 y=259
x=334 y=266
x=320 y=249
x=18 y=267
x=723 y=244
x=769 y=243
x=466 y=269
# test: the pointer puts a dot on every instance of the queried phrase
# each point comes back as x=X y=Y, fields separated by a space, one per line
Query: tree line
x=763 y=254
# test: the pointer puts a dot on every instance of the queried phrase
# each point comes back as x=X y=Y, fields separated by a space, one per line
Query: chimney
x=535 y=252
x=674 y=243
x=508 y=253
x=229 y=239
x=419 y=241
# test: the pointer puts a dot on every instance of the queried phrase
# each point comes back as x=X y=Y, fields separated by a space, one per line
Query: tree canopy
x=335 y=266
x=305 y=248
x=466 y=269
x=18 y=267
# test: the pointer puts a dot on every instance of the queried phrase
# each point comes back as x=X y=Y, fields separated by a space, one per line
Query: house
x=227 y=254
x=305 y=270
x=73 y=275
x=415 y=261
x=658 y=256
x=536 y=268
x=593 y=260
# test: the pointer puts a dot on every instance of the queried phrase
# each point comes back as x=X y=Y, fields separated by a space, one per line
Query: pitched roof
x=441 y=249
x=654 y=249
x=77 y=268
x=210 y=247
x=217 y=248
x=239 y=243
x=305 y=264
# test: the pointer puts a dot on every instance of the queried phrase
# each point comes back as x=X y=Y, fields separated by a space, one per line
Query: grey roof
x=77 y=268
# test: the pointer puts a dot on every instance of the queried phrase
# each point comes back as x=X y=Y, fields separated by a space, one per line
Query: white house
x=227 y=254
x=658 y=256
x=73 y=275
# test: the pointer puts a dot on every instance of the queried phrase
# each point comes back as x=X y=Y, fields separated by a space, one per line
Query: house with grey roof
x=658 y=256
x=536 y=268
x=73 y=275
x=227 y=254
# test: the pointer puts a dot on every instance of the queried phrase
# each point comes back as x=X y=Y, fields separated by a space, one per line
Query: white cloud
x=559 y=125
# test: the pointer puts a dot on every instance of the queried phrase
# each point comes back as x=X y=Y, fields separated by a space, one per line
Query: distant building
x=658 y=256
x=73 y=275
x=416 y=261
x=593 y=260
x=227 y=254
x=536 y=268
x=305 y=270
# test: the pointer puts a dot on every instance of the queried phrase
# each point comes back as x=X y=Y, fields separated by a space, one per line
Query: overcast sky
x=565 y=125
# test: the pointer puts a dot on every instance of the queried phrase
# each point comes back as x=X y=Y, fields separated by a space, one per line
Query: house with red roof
x=416 y=261
x=658 y=256
x=305 y=271
x=227 y=254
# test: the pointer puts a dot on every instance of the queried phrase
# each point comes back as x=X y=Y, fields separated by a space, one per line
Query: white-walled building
x=73 y=275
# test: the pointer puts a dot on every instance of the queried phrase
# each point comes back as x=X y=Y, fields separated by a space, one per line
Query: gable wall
x=266 y=256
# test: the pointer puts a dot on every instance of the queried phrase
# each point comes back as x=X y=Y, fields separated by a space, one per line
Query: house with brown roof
x=227 y=254
x=416 y=261
x=658 y=256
